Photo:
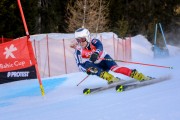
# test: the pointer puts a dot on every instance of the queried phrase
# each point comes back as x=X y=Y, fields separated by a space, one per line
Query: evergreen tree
x=10 y=19
x=91 y=14
x=125 y=16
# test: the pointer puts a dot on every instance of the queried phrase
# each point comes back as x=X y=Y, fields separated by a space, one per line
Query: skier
x=96 y=62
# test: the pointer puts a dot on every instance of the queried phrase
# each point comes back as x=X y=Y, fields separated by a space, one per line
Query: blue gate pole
x=155 y=35
x=163 y=34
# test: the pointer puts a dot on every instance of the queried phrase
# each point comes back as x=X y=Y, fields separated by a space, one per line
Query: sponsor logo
x=18 y=74
x=9 y=51
x=11 y=65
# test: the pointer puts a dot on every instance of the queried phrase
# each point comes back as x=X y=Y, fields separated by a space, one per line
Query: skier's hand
x=74 y=44
x=94 y=57
x=88 y=71
x=91 y=71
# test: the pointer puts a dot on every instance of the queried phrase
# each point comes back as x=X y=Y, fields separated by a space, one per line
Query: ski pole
x=140 y=63
x=82 y=80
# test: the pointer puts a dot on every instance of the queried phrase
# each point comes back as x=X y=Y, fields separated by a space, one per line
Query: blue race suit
x=102 y=64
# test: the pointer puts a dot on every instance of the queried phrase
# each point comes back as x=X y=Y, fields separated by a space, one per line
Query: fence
x=55 y=57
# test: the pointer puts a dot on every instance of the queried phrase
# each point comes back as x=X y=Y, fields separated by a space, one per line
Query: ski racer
x=96 y=59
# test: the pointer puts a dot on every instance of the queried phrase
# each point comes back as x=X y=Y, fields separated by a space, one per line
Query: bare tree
x=91 y=14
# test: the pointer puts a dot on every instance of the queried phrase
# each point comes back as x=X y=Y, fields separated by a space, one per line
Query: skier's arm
x=79 y=62
x=97 y=43
x=99 y=50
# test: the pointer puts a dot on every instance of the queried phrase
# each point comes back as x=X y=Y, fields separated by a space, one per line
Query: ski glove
x=94 y=57
x=91 y=71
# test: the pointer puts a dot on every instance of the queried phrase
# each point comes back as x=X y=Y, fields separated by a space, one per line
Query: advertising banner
x=16 y=60
x=15 y=75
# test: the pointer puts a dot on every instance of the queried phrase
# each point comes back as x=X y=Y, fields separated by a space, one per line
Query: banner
x=15 y=55
x=15 y=75
x=17 y=61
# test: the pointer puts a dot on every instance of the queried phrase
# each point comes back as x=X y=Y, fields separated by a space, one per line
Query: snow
x=64 y=100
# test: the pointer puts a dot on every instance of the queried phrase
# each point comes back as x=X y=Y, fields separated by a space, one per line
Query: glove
x=94 y=57
x=91 y=71
x=74 y=45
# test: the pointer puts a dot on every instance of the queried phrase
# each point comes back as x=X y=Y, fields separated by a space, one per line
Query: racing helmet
x=82 y=33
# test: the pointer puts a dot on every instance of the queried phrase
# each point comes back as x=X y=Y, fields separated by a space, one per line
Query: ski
x=126 y=87
x=98 y=89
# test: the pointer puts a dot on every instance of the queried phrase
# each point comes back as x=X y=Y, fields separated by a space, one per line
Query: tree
x=142 y=16
x=91 y=14
x=9 y=19
x=11 y=25
x=47 y=17
x=51 y=16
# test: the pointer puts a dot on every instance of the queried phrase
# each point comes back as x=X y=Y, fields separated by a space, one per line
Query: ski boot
x=110 y=78
x=139 y=76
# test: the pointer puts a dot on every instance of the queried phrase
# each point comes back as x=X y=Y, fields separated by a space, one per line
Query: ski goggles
x=79 y=40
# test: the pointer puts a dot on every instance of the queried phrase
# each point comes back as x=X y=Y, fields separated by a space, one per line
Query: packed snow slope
x=64 y=100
